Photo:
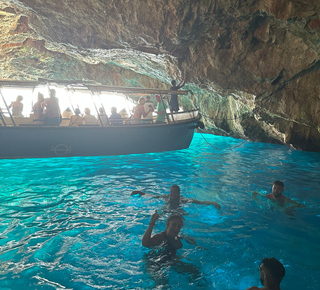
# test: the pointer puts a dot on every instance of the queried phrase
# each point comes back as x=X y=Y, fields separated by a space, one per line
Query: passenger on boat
x=277 y=198
x=115 y=118
x=271 y=274
x=88 y=119
x=140 y=111
x=169 y=238
x=17 y=107
x=147 y=105
x=76 y=119
x=38 y=110
x=67 y=113
x=173 y=103
x=103 y=117
x=161 y=110
x=175 y=199
x=52 y=114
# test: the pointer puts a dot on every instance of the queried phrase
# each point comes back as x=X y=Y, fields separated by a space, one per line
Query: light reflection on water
x=70 y=223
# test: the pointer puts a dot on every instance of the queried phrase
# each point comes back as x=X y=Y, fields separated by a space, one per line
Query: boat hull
x=43 y=142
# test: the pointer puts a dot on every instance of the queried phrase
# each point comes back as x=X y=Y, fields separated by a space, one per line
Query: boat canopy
x=78 y=85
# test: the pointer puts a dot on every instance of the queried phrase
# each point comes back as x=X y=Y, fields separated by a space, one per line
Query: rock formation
x=253 y=65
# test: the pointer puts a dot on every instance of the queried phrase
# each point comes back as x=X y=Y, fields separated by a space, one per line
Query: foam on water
x=70 y=223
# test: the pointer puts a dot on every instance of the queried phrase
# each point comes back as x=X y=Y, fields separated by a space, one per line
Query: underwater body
x=71 y=223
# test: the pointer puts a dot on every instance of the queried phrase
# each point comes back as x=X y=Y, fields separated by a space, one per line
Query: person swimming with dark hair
x=164 y=247
x=175 y=199
x=278 y=199
x=271 y=274
x=169 y=238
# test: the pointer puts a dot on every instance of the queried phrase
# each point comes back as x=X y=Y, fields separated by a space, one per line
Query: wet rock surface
x=252 y=65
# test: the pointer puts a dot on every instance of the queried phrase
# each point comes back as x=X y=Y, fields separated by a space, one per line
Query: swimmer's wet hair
x=175 y=216
x=279 y=183
x=275 y=268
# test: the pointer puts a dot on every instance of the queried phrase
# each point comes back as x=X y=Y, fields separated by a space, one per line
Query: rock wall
x=254 y=65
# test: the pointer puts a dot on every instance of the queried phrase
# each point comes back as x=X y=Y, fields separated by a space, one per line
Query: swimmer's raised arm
x=147 y=240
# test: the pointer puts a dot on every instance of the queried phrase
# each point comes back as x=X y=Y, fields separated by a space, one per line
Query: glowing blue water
x=70 y=223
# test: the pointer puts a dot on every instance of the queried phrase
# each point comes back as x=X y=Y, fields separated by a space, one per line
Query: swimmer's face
x=174 y=193
x=277 y=190
x=263 y=274
x=173 y=227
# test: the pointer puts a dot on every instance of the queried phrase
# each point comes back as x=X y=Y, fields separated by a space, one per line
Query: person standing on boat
x=115 y=118
x=52 y=110
x=271 y=274
x=76 y=119
x=147 y=105
x=88 y=119
x=17 y=107
x=38 y=110
x=161 y=110
x=140 y=111
x=173 y=103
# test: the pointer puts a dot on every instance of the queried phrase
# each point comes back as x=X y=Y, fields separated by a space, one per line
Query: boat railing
x=182 y=116
x=6 y=118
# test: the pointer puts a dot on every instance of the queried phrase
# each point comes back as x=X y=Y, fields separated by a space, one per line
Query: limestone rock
x=254 y=64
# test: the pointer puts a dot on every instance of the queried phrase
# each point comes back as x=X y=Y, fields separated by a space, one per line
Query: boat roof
x=79 y=85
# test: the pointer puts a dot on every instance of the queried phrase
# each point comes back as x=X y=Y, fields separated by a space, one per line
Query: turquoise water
x=70 y=223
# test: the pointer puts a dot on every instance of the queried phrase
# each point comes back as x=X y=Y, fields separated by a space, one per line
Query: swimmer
x=168 y=238
x=271 y=274
x=278 y=198
x=174 y=198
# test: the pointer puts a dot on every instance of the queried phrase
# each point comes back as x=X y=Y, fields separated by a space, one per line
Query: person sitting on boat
x=88 y=119
x=175 y=199
x=140 y=111
x=161 y=110
x=67 y=113
x=103 y=117
x=76 y=119
x=17 y=107
x=115 y=118
x=147 y=105
x=38 y=110
x=173 y=103
x=169 y=238
x=52 y=114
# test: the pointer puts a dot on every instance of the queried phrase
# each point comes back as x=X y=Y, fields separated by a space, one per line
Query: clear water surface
x=70 y=223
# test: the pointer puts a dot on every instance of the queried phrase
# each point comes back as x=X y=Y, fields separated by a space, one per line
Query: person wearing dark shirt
x=173 y=103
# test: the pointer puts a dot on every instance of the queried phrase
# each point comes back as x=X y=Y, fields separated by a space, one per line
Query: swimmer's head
x=277 y=188
x=174 y=224
x=174 y=192
x=272 y=270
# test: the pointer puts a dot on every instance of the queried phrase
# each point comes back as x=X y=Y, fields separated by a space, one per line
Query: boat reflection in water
x=21 y=138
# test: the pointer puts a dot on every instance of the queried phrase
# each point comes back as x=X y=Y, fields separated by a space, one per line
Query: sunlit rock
x=253 y=65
